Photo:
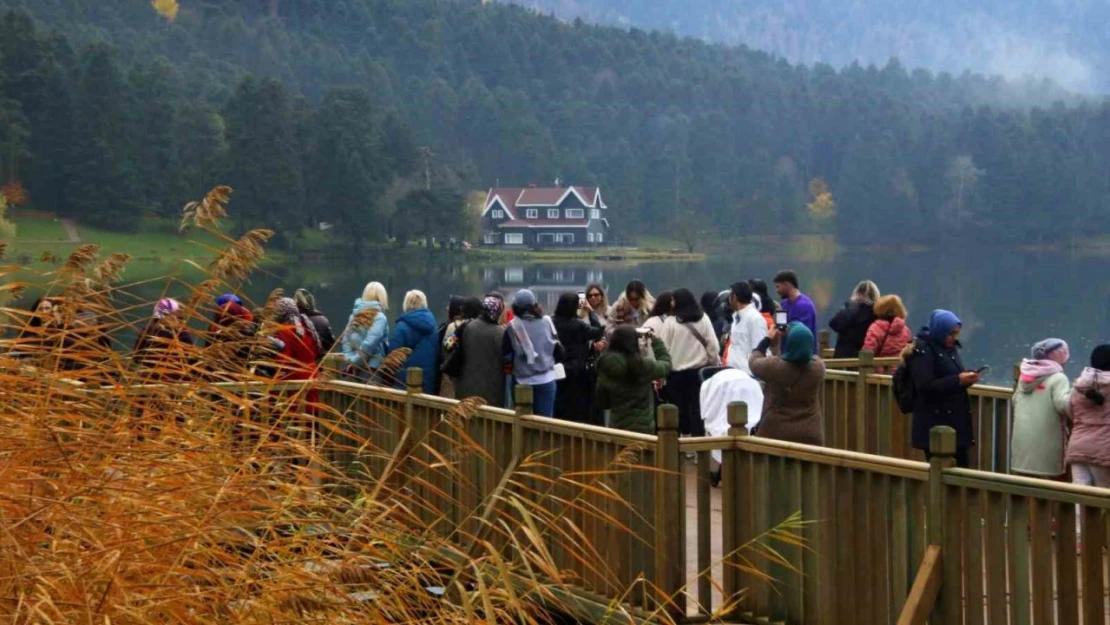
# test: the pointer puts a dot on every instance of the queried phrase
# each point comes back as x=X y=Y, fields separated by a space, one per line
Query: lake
x=1006 y=299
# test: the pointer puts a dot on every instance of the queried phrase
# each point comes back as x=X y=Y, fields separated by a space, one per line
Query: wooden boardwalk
x=1074 y=596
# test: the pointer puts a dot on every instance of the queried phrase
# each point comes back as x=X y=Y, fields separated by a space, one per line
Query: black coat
x=940 y=399
x=850 y=325
x=323 y=330
x=574 y=396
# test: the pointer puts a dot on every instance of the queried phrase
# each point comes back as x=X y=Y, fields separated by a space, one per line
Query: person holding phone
x=791 y=385
x=940 y=382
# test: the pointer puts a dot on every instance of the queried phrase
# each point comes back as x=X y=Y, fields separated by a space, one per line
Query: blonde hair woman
x=364 y=344
x=853 y=321
x=417 y=330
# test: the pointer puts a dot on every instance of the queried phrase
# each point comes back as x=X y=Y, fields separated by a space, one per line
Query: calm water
x=1007 y=300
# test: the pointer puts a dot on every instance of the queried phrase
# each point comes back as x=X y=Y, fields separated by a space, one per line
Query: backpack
x=453 y=346
x=902 y=384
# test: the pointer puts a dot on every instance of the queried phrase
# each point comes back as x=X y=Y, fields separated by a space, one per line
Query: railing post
x=734 y=497
x=864 y=421
x=942 y=450
x=670 y=515
x=822 y=342
x=523 y=402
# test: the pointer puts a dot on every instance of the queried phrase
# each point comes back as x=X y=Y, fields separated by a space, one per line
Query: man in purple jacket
x=798 y=307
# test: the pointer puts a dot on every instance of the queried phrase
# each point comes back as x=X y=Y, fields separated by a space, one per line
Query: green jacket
x=628 y=393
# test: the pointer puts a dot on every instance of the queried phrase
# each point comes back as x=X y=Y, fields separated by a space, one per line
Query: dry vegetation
x=230 y=499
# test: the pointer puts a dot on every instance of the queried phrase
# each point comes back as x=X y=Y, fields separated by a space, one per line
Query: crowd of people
x=612 y=364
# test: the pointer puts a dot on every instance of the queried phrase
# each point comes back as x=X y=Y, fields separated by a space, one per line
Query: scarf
x=941 y=324
x=287 y=313
x=492 y=307
x=799 y=344
x=165 y=307
x=1033 y=370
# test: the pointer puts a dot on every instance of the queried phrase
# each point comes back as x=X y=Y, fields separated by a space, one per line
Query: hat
x=524 y=299
x=1042 y=349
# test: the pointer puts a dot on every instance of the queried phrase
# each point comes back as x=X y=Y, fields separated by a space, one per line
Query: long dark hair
x=522 y=311
x=626 y=342
x=454 y=308
x=686 y=307
x=567 y=306
x=471 y=308
x=759 y=287
x=664 y=305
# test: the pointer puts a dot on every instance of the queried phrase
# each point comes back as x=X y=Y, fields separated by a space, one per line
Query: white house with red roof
x=545 y=217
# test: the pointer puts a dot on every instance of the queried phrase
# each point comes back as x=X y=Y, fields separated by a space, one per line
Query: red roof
x=517 y=200
x=541 y=197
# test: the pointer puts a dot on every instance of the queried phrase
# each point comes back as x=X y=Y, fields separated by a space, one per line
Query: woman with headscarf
x=852 y=322
x=1041 y=412
x=792 y=387
x=574 y=395
x=298 y=341
x=162 y=346
x=306 y=303
x=483 y=373
x=940 y=384
x=233 y=328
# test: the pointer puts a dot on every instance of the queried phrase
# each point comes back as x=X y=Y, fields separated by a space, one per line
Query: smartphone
x=780 y=319
x=985 y=369
x=643 y=332
x=581 y=298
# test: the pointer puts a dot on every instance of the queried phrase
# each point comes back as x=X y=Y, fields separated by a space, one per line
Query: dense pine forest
x=379 y=115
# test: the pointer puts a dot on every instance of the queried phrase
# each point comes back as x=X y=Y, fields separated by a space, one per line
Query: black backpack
x=902 y=384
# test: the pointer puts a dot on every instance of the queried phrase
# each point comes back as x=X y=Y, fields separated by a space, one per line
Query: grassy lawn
x=39 y=229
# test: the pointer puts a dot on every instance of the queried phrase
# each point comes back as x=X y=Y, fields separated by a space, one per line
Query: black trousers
x=683 y=389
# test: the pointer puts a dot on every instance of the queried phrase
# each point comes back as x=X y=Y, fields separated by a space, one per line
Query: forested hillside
x=1066 y=40
x=319 y=110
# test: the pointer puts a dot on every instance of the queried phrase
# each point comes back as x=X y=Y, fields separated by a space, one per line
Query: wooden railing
x=886 y=539
x=861 y=414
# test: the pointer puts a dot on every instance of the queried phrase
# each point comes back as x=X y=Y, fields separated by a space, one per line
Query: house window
x=514 y=238
x=489 y=239
x=553 y=213
x=514 y=275
x=498 y=214
x=595 y=213
x=565 y=237
x=532 y=213
x=600 y=239
x=575 y=213
x=589 y=237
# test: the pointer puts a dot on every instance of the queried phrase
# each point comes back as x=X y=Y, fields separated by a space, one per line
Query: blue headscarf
x=228 y=297
x=941 y=324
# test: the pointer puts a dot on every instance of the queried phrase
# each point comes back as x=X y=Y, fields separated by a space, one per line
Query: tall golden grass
x=196 y=489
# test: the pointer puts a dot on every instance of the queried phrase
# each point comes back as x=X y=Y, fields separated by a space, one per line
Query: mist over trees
x=317 y=110
x=1064 y=40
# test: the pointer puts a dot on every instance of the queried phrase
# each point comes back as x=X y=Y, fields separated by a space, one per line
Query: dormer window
x=498 y=214
x=575 y=213
x=532 y=213
x=553 y=213
x=595 y=213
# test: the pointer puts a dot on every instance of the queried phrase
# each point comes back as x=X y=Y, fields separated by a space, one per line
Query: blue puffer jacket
x=417 y=330
x=366 y=347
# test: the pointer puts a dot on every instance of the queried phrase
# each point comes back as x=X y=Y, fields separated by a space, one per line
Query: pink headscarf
x=165 y=307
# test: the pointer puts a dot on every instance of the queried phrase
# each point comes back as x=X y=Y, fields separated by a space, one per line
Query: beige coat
x=791 y=399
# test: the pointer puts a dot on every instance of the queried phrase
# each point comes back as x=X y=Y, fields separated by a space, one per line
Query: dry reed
x=196 y=487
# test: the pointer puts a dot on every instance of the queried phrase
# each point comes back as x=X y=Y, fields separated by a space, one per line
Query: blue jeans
x=543 y=399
